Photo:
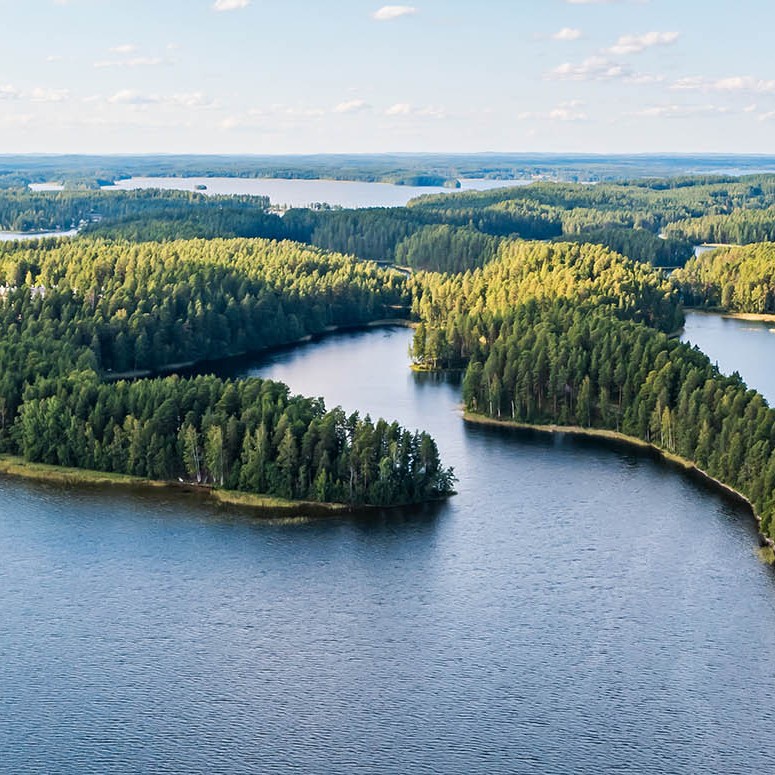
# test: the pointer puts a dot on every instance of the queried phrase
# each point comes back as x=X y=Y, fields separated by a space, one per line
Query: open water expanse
x=302 y=193
x=576 y=608
x=10 y=236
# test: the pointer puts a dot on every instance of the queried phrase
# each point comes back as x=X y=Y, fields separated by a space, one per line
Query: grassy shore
x=632 y=441
x=261 y=505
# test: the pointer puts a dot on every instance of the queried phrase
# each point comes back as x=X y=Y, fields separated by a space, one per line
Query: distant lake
x=302 y=193
x=46 y=187
x=9 y=236
x=706 y=247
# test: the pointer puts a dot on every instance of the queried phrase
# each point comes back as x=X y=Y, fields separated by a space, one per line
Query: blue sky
x=308 y=76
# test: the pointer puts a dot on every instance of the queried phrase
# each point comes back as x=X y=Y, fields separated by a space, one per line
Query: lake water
x=747 y=347
x=10 y=236
x=576 y=608
x=302 y=193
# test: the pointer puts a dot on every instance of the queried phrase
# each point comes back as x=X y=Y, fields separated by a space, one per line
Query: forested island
x=557 y=300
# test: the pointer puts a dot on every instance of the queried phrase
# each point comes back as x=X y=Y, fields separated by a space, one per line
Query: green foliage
x=71 y=312
x=639 y=245
x=24 y=210
x=145 y=306
x=554 y=364
x=738 y=227
x=462 y=314
x=446 y=249
x=740 y=279
x=567 y=334
x=248 y=435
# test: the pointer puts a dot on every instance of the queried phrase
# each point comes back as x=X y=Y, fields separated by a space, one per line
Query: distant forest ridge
x=408 y=169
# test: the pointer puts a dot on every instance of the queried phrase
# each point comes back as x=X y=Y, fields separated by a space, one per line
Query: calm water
x=301 y=193
x=9 y=236
x=575 y=609
x=747 y=347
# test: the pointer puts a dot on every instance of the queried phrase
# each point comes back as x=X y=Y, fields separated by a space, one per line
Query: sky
x=357 y=76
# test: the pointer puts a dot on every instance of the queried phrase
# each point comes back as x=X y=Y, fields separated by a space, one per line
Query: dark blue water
x=574 y=609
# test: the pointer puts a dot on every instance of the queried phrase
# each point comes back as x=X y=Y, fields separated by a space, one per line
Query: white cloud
x=351 y=106
x=399 y=109
x=600 y=68
x=131 y=97
x=565 y=111
x=194 y=99
x=567 y=33
x=431 y=111
x=680 y=111
x=283 y=117
x=181 y=100
x=8 y=92
x=49 y=95
x=230 y=5
x=595 y=68
x=16 y=120
x=404 y=109
x=730 y=84
x=389 y=12
x=134 y=62
x=124 y=48
x=635 y=44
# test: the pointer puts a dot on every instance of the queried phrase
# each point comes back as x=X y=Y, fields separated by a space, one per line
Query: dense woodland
x=208 y=216
x=570 y=335
x=646 y=220
x=738 y=279
x=74 y=313
x=739 y=227
x=461 y=314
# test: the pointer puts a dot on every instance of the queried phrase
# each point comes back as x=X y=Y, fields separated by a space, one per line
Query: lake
x=302 y=193
x=10 y=236
x=576 y=608
x=745 y=346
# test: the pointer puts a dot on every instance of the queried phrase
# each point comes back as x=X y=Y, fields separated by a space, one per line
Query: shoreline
x=174 y=368
x=753 y=317
x=602 y=434
x=263 y=506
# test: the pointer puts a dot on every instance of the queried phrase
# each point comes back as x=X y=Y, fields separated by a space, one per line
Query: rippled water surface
x=575 y=608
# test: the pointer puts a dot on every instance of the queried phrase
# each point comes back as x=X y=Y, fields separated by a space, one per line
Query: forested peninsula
x=75 y=314
x=574 y=335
